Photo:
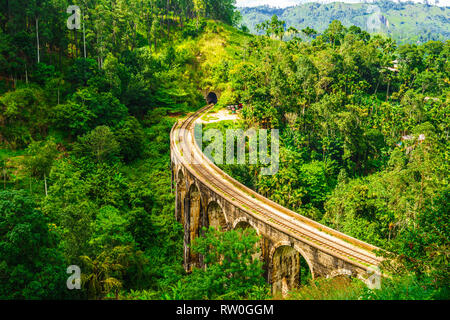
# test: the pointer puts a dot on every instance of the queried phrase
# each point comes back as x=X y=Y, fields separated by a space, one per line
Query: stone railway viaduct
x=206 y=196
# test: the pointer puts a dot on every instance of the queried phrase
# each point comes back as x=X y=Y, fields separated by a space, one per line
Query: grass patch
x=338 y=288
x=8 y=153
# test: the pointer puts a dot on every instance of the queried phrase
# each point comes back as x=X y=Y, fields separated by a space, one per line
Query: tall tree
x=41 y=156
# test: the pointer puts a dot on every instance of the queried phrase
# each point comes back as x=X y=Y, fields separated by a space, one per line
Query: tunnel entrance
x=211 y=98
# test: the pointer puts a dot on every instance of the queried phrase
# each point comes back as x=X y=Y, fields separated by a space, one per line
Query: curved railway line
x=260 y=208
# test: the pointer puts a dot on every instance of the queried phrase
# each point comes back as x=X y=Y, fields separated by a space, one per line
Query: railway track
x=317 y=235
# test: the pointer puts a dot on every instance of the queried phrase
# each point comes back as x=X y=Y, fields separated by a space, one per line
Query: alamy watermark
x=235 y=143
x=74 y=281
x=374 y=278
x=374 y=21
x=74 y=21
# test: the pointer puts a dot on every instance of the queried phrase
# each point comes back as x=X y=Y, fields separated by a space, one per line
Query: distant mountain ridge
x=290 y=3
x=404 y=21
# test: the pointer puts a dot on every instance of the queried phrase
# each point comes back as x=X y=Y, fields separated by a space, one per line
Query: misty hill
x=405 y=22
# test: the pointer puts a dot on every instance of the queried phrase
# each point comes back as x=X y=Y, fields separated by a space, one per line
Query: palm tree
x=309 y=32
x=273 y=27
x=98 y=279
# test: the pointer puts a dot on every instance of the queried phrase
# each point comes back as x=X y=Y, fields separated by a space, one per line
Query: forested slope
x=84 y=147
x=364 y=135
x=404 y=22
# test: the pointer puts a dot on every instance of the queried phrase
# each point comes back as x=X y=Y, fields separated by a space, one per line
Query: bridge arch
x=285 y=266
x=180 y=174
x=216 y=215
x=351 y=274
x=244 y=223
x=371 y=280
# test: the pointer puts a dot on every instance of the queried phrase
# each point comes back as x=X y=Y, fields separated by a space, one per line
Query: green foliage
x=131 y=138
x=106 y=273
x=407 y=21
x=17 y=110
x=194 y=28
x=363 y=127
x=273 y=27
x=339 y=288
x=301 y=185
x=109 y=230
x=423 y=247
x=402 y=288
x=100 y=145
x=43 y=73
x=40 y=158
x=87 y=110
x=31 y=267
x=81 y=71
x=230 y=272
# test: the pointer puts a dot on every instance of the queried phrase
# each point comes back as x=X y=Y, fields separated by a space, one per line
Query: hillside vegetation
x=85 y=156
x=404 y=22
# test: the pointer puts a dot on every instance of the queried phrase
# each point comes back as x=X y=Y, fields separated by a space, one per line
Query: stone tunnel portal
x=211 y=98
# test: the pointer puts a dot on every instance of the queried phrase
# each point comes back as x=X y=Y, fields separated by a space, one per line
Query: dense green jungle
x=85 y=173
